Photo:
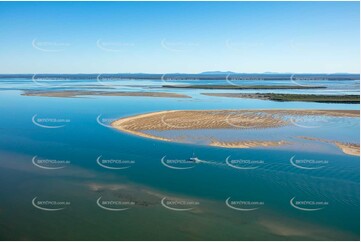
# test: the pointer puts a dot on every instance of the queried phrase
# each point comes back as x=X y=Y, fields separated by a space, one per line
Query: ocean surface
x=65 y=174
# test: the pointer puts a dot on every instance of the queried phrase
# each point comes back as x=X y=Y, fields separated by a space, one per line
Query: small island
x=292 y=97
x=245 y=87
x=73 y=94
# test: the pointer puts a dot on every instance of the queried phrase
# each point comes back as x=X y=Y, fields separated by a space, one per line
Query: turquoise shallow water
x=290 y=203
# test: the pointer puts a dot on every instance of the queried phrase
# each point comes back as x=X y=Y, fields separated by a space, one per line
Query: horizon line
x=198 y=73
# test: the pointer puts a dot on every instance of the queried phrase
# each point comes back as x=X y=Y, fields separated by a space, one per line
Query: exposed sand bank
x=247 y=144
x=218 y=119
x=70 y=94
x=347 y=148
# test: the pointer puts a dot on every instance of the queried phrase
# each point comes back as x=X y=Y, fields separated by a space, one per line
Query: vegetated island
x=219 y=119
x=72 y=94
x=292 y=97
x=245 y=87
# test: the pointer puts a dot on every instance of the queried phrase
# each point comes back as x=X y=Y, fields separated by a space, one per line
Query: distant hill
x=217 y=72
x=209 y=75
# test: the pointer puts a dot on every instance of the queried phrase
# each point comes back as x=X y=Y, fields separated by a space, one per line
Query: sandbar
x=218 y=119
x=71 y=94
x=347 y=148
x=248 y=143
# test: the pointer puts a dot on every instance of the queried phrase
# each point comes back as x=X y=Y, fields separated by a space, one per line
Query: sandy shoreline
x=71 y=94
x=347 y=148
x=218 y=119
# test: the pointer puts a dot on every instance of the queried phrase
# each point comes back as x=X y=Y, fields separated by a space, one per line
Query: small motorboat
x=195 y=159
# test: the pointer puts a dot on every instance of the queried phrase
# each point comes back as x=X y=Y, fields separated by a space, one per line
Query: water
x=268 y=189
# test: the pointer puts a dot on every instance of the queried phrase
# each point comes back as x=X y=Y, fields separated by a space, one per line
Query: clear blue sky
x=188 y=37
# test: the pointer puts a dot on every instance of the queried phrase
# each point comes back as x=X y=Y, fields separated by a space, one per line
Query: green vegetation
x=293 y=97
x=242 y=87
x=314 y=98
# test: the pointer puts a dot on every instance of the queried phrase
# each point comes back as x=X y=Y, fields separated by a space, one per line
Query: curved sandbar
x=347 y=148
x=218 y=119
x=70 y=94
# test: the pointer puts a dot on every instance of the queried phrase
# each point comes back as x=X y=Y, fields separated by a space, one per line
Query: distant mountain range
x=270 y=73
x=217 y=72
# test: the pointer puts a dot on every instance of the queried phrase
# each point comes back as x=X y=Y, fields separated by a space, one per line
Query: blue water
x=275 y=182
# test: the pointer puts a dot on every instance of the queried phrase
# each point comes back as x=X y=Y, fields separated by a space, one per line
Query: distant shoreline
x=243 y=87
x=281 y=97
x=169 y=77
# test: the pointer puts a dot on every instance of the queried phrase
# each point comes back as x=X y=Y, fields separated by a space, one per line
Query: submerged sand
x=218 y=119
x=70 y=94
x=248 y=144
x=347 y=148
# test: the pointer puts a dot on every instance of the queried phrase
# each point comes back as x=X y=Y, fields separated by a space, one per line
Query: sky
x=179 y=37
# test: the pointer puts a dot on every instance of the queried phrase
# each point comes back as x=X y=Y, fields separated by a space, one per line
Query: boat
x=195 y=159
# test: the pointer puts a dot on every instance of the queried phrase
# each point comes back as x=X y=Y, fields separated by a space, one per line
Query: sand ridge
x=218 y=119
x=187 y=120
x=248 y=143
x=70 y=94
x=347 y=148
